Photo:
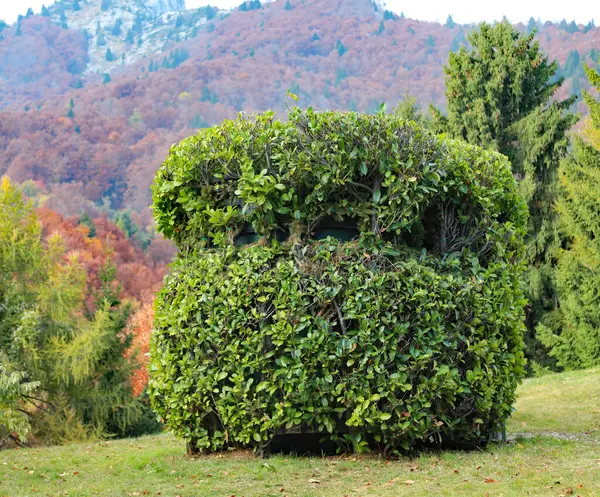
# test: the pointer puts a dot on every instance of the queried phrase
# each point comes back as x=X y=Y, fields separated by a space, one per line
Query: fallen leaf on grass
x=409 y=482
x=313 y=480
x=489 y=480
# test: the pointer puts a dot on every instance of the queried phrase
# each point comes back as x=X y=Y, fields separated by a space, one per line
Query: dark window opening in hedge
x=345 y=230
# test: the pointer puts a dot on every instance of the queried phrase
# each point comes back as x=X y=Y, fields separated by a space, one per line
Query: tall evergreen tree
x=500 y=96
x=576 y=342
x=116 y=30
x=71 y=113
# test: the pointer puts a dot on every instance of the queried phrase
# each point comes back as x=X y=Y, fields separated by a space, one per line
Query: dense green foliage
x=576 y=343
x=404 y=327
x=62 y=376
x=499 y=95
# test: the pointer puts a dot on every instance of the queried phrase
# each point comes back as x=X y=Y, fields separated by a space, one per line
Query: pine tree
x=105 y=5
x=45 y=11
x=210 y=12
x=589 y=26
x=575 y=343
x=381 y=28
x=86 y=220
x=487 y=106
x=70 y=113
x=100 y=39
x=288 y=5
x=137 y=27
x=430 y=44
x=109 y=55
x=106 y=79
x=572 y=65
x=450 y=22
x=76 y=5
x=29 y=12
x=116 y=30
x=129 y=38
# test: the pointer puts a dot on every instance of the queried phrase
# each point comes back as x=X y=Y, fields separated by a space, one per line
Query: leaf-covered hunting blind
x=344 y=274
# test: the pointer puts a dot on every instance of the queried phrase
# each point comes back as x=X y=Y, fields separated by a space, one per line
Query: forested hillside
x=110 y=86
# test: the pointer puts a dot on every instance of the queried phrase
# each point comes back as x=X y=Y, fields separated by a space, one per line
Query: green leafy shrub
x=404 y=327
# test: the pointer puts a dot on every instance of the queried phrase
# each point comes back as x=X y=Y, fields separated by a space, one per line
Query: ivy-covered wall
x=404 y=326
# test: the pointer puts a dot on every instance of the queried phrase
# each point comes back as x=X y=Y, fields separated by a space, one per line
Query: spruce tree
x=86 y=220
x=71 y=113
x=45 y=11
x=575 y=342
x=116 y=30
x=500 y=96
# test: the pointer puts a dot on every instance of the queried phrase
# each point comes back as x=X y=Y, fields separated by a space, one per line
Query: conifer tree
x=575 y=343
x=70 y=113
x=116 y=30
x=45 y=11
x=86 y=220
x=500 y=96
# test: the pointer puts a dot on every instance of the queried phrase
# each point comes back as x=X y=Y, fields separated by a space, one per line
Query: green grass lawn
x=559 y=455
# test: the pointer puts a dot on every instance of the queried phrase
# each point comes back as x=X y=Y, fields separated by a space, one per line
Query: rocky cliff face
x=160 y=7
x=121 y=32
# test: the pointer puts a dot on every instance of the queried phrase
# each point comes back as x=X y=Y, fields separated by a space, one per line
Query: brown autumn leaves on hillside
x=333 y=54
